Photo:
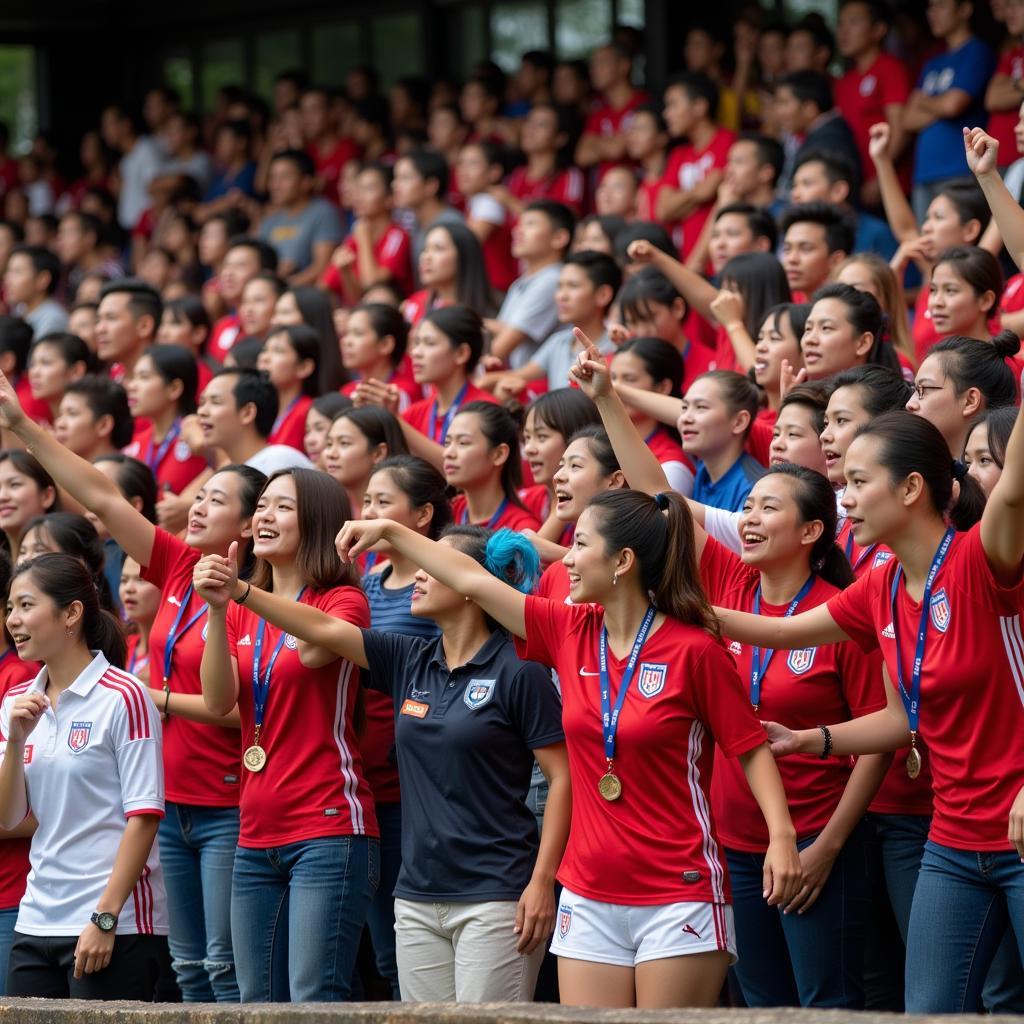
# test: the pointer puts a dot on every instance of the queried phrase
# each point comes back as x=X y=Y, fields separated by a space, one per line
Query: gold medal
x=914 y=763
x=255 y=758
x=610 y=786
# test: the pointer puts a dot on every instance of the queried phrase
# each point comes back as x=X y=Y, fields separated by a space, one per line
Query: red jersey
x=657 y=844
x=1002 y=122
x=509 y=516
x=699 y=353
x=1013 y=295
x=862 y=97
x=430 y=421
x=830 y=683
x=566 y=186
x=925 y=335
x=313 y=783
x=688 y=167
x=290 y=425
x=607 y=121
x=35 y=408
x=392 y=251
x=537 y=500
x=408 y=390
x=419 y=304
x=972 y=697
x=499 y=264
x=554 y=583
x=330 y=163
x=226 y=331
x=202 y=763
x=762 y=433
x=171 y=461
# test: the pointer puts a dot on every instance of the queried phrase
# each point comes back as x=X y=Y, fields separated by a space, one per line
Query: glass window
x=631 y=12
x=337 y=47
x=223 y=64
x=18 y=95
x=178 y=75
x=472 y=40
x=516 y=28
x=397 y=46
x=581 y=26
x=796 y=9
x=275 y=52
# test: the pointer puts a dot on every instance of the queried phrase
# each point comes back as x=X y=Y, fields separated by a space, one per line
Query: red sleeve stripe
x=138 y=720
x=135 y=688
x=143 y=898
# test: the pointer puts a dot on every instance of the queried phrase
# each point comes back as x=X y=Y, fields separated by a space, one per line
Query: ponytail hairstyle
x=816 y=500
x=378 y=426
x=505 y=554
x=134 y=480
x=173 y=362
x=738 y=392
x=661 y=360
x=74 y=535
x=461 y=326
x=659 y=531
x=865 y=317
x=565 y=411
x=881 y=390
x=499 y=426
x=812 y=395
x=970 y=363
x=760 y=279
x=387 y=321
x=600 y=447
x=998 y=425
x=910 y=444
x=891 y=298
x=423 y=484
x=64 y=579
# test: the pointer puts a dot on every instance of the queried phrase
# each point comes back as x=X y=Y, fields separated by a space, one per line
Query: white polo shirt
x=90 y=764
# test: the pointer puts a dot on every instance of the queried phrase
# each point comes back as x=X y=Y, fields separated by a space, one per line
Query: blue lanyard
x=165 y=444
x=448 y=416
x=174 y=635
x=261 y=683
x=865 y=553
x=912 y=700
x=761 y=658
x=609 y=717
x=134 y=663
x=284 y=415
x=464 y=518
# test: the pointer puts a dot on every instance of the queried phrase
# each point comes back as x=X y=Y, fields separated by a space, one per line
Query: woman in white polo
x=83 y=755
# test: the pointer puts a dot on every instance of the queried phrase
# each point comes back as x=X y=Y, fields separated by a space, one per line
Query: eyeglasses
x=922 y=389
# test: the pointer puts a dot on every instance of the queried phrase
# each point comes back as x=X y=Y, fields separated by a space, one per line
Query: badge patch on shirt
x=182 y=452
x=652 y=680
x=564 y=920
x=78 y=737
x=881 y=557
x=415 y=709
x=735 y=648
x=800 y=661
x=478 y=693
x=290 y=642
x=941 y=612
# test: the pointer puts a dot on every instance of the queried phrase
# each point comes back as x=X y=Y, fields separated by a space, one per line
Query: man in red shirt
x=695 y=169
x=1006 y=88
x=603 y=143
x=245 y=258
x=875 y=87
x=328 y=150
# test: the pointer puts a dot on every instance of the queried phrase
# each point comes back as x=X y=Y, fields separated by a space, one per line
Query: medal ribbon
x=912 y=700
x=174 y=635
x=860 y=558
x=761 y=658
x=464 y=518
x=448 y=416
x=261 y=683
x=172 y=436
x=610 y=716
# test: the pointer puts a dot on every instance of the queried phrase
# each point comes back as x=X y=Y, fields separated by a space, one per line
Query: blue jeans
x=297 y=915
x=811 y=959
x=962 y=906
x=8 y=919
x=381 y=917
x=197 y=850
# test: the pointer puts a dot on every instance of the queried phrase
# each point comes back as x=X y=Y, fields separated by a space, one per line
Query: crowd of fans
x=734 y=343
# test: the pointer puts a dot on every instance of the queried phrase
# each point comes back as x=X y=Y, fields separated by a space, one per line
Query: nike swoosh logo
x=584 y=672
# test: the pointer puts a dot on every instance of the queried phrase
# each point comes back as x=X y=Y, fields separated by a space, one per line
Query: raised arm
x=982 y=151
x=214 y=573
x=897 y=210
x=81 y=479
x=663 y=408
x=807 y=629
x=1002 y=525
x=698 y=292
x=442 y=561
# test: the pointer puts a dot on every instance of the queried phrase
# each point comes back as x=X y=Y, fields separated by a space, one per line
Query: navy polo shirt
x=730 y=490
x=465 y=740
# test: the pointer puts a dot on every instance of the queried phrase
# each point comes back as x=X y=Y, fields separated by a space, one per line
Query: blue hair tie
x=959 y=469
x=513 y=559
x=661 y=500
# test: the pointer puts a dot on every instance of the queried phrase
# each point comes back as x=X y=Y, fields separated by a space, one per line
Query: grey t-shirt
x=559 y=352
x=47 y=317
x=294 y=235
x=529 y=307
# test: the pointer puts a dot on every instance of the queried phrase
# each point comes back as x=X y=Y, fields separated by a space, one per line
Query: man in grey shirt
x=302 y=229
x=30 y=280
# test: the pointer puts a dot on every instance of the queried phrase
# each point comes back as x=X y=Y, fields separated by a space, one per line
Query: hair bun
x=1006 y=344
x=959 y=469
x=512 y=558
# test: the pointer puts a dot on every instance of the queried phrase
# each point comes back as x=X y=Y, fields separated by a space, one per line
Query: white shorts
x=611 y=933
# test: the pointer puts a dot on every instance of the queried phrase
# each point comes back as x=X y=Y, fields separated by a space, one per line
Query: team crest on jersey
x=941 y=612
x=652 y=680
x=801 y=660
x=182 y=452
x=290 y=642
x=78 y=737
x=478 y=693
x=881 y=557
x=735 y=647
x=564 y=920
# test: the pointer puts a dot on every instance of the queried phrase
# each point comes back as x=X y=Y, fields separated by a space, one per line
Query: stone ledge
x=44 y=1011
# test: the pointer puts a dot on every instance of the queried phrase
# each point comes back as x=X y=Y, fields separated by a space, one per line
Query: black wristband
x=826 y=749
x=245 y=596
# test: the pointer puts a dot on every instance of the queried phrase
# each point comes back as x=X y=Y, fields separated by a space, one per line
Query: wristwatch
x=106 y=922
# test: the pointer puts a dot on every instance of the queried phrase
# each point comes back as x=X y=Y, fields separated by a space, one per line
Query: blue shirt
x=224 y=181
x=940 y=147
x=874 y=235
x=730 y=490
x=465 y=739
